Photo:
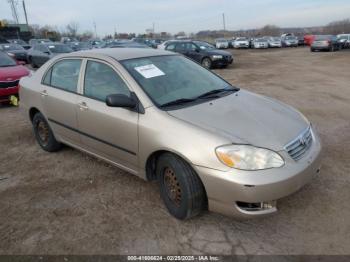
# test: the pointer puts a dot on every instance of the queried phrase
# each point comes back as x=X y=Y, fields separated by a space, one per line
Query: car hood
x=12 y=73
x=247 y=118
x=218 y=52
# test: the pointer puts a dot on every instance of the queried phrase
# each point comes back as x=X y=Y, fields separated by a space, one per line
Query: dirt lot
x=70 y=203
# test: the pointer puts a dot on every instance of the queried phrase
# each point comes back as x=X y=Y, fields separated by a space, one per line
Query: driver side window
x=101 y=80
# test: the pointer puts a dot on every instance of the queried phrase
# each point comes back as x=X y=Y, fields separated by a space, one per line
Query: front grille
x=299 y=146
x=7 y=84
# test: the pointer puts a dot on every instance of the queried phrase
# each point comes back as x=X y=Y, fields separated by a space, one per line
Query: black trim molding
x=92 y=137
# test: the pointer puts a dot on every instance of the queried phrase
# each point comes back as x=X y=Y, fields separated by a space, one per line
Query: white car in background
x=274 y=42
x=344 y=39
x=241 y=42
x=221 y=43
x=260 y=43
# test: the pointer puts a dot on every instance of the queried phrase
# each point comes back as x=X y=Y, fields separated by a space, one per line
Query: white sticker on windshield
x=149 y=71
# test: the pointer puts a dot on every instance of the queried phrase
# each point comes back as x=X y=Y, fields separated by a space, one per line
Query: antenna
x=13 y=4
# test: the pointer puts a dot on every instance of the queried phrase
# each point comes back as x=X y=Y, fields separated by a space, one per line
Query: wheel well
x=32 y=113
x=151 y=166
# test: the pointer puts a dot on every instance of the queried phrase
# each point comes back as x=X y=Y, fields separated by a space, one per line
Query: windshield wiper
x=178 y=102
x=214 y=93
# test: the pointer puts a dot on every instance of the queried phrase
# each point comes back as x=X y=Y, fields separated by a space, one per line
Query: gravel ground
x=70 y=203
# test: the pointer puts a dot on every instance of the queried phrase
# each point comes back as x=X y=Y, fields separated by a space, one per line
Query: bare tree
x=338 y=27
x=72 y=29
x=270 y=30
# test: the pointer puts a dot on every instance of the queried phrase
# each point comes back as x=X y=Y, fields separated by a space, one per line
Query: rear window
x=323 y=37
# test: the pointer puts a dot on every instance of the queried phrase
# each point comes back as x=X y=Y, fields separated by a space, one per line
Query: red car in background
x=309 y=39
x=11 y=72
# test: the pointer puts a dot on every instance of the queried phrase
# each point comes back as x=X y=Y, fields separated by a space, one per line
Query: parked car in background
x=67 y=40
x=309 y=39
x=251 y=42
x=202 y=52
x=344 y=39
x=96 y=43
x=39 y=41
x=39 y=54
x=221 y=43
x=274 y=42
x=259 y=43
x=16 y=51
x=289 y=41
x=162 y=117
x=19 y=42
x=164 y=44
x=127 y=44
x=301 y=41
x=241 y=42
x=79 y=46
x=156 y=42
x=325 y=42
x=10 y=74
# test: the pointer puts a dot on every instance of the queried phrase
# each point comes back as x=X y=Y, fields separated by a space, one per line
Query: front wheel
x=44 y=135
x=180 y=187
x=206 y=62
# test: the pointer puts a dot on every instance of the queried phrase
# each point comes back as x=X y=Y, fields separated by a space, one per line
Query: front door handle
x=43 y=93
x=83 y=106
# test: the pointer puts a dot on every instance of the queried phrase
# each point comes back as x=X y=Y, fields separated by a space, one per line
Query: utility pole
x=25 y=12
x=94 y=23
x=224 y=21
x=14 y=10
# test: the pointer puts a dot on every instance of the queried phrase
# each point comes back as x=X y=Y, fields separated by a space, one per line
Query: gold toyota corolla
x=163 y=117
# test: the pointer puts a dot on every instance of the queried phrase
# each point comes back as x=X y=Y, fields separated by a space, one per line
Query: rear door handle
x=43 y=93
x=83 y=106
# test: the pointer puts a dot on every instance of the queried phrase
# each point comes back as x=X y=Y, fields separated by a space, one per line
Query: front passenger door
x=109 y=132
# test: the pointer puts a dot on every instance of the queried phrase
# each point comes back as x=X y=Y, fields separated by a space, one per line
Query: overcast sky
x=178 y=15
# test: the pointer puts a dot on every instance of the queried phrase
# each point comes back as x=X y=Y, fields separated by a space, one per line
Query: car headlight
x=246 y=157
x=11 y=54
x=216 y=56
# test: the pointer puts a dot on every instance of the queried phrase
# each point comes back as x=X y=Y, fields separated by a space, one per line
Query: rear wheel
x=181 y=189
x=206 y=62
x=44 y=135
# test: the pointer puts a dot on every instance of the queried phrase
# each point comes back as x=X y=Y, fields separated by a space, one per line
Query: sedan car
x=39 y=54
x=259 y=43
x=163 y=117
x=241 y=42
x=16 y=51
x=325 y=42
x=290 y=41
x=274 y=42
x=202 y=52
x=79 y=46
x=10 y=74
x=221 y=43
x=19 y=42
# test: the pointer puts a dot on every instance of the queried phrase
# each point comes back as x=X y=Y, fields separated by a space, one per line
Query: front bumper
x=222 y=62
x=320 y=47
x=226 y=191
x=5 y=93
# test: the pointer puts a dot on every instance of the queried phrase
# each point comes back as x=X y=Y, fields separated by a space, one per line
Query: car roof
x=122 y=53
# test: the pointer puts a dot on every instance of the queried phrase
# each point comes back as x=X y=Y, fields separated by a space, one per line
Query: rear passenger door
x=192 y=51
x=59 y=95
x=110 y=132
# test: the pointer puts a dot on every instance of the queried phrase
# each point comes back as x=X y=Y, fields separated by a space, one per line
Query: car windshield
x=221 y=40
x=241 y=39
x=291 y=38
x=261 y=40
x=17 y=41
x=6 y=61
x=166 y=79
x=11 y=47
x=59 y=49
x=275 y=39
x=204 y=45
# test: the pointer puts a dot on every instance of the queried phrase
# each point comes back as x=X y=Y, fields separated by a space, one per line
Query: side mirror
x=118 y=100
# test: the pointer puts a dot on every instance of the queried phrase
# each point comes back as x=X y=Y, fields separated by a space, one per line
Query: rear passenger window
x=64 y=75
x=170 y=47
x=101 y=80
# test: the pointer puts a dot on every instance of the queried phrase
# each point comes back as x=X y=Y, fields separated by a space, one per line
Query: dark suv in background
x=202 y=52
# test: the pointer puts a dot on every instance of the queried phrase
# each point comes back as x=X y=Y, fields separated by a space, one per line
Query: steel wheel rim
x=172 y=186
x=43 y=132
x=206 y=63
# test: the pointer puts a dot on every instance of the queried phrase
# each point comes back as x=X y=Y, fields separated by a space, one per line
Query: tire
x=206 y=62
x=44 y=135
x=181 y=189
